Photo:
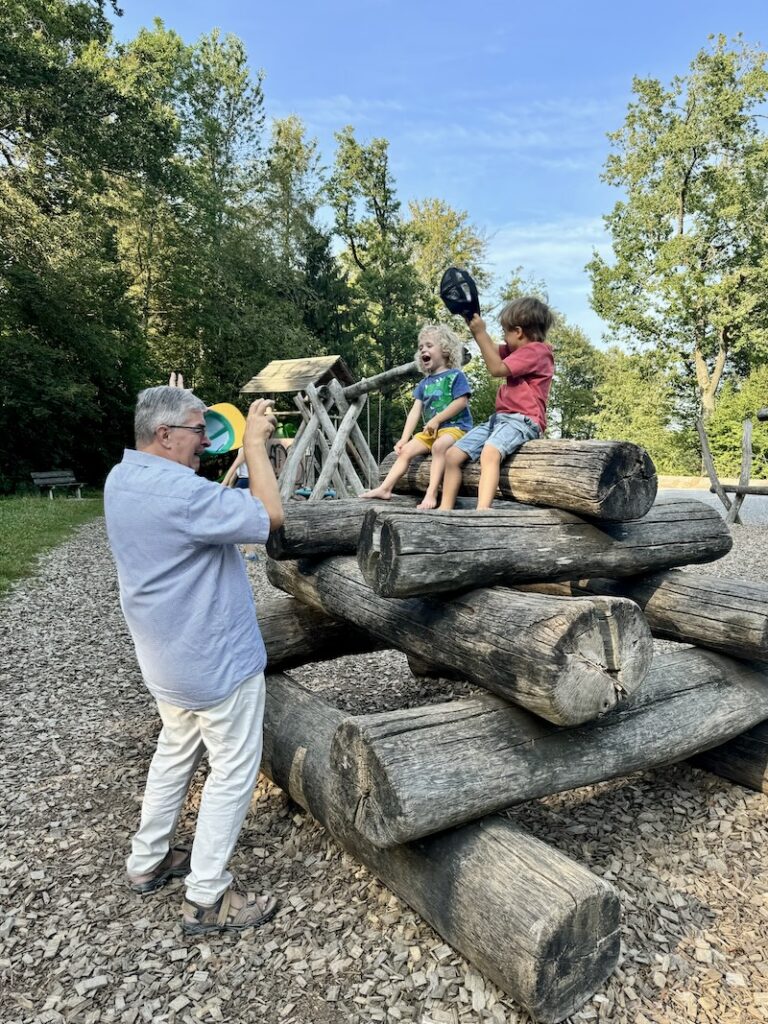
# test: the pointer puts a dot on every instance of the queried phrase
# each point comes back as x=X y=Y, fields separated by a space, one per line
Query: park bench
x=56 y=478
x=743 y=487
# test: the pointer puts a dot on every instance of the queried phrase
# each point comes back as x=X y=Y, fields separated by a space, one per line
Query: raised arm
x=262 y=482
x=489 y=350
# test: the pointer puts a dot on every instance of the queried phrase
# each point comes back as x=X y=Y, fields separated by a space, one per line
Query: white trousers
x=231 y=733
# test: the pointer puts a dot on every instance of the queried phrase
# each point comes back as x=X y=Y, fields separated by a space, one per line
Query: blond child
x=442 y=399
x=526 y=364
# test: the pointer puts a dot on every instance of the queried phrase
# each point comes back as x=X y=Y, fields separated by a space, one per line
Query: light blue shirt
x=184 y=589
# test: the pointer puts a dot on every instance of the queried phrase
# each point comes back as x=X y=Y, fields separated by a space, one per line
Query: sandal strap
x=224 y=903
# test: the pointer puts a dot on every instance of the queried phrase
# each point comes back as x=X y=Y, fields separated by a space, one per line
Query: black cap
x=459 y=292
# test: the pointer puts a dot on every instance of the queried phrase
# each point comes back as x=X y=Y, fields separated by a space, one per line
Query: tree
x=635 y=403
x=72 y=355
x=738 y=402
x=387 y=298
x=690 y=266
x=443 y=237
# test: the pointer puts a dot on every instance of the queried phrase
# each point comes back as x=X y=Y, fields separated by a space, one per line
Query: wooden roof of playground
x=296 y=374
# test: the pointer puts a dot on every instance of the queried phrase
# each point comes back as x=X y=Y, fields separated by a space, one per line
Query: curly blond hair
x=450 y=345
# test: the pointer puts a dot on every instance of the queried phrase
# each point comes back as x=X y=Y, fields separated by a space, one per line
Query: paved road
x=754 y=511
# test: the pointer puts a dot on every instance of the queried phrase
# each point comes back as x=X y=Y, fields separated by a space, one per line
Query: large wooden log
x=611 y=480
x=403 y=552
x=567 y=660
x=409 y=773
x=295 y=633
x=743 y=759
x=717 y=612
x=539 y=925
x=318 y=530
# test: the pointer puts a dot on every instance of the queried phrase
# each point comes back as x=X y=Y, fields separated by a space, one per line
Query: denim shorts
x=505 y=431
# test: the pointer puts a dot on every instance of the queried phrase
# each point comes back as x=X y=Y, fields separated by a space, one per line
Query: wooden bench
x=56 y=478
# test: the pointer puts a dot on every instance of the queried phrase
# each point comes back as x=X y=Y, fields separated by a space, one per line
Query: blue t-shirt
x=184 y=590
x=437 y=391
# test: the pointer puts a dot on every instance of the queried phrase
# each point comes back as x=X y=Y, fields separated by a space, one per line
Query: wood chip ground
x=688 y=853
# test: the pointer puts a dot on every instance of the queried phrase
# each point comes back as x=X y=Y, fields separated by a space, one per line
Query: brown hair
x=532 y=315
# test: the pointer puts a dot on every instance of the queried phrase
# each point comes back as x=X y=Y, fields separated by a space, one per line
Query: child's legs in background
x=413 y=448
x=445 y=439
x=509 y=431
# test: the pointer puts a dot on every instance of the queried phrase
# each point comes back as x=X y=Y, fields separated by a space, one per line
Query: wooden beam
x=403 y=552
x=568 y=660
x=539 y=925
x=716 y=612
x=406 y=774
x=611 y=480
x=295 y=633
x=310 y=531
x=743 y=759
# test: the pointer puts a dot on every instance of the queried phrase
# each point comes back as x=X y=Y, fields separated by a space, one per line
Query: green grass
x=31 y=525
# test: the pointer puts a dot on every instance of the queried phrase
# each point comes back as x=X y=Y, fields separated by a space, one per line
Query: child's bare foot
x=427 y=502
x=377 y=492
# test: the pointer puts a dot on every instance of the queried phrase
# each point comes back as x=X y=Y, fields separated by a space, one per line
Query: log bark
x=296 y=634
x=403 y=552
x=716 y=612
x=611 y=480
x=316 y=531
x=406 y=774
x=539 y=925
x=564 y=659
x=743 y=759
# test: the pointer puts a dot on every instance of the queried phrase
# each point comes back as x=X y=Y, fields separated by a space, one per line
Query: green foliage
x=29 y=526
x=484 y=387
x=635 y=404
x=443 y=237
x=724 y=430
x=690 y=250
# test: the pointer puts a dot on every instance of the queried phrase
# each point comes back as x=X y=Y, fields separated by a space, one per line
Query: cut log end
x=628 y=484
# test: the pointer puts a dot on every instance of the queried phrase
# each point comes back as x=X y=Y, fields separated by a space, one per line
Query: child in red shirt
x=527 y=366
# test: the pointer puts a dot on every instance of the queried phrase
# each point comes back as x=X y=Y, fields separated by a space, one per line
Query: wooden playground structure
x=330 y=453
x=548 y=604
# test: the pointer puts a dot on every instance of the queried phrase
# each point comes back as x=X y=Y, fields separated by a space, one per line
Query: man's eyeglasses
x=200 y=429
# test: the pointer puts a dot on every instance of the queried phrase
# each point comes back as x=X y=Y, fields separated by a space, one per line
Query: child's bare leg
x=454 y=460
x=439 y=448
x=399 y=469
x=490 y=467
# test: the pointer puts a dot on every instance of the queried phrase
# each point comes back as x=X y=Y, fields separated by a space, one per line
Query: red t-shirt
x=526 y=389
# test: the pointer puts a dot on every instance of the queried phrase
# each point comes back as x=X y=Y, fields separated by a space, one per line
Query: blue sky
x=500 y=108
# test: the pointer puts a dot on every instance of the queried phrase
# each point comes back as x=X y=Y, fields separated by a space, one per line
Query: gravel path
x=688 y=853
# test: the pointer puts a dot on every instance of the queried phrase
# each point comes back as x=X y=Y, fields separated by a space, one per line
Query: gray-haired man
x=188 y=604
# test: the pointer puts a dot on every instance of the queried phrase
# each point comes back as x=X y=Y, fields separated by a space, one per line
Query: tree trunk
x=295 y=634
x=539 y=925
x=568 y=660
x=611 y=480
x=717 y=612
x=318 y=530
x=409 y=773
x=743 y=759
x=403 y=552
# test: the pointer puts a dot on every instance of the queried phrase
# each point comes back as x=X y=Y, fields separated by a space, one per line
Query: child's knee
x=455 y=456
x=490 y=456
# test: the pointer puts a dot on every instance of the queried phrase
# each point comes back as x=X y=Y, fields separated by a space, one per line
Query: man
x=188 y=604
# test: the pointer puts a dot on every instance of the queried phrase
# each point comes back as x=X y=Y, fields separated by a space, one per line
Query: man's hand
x=260 y=423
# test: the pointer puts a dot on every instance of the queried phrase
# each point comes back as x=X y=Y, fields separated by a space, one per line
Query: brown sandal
x=169 y=867
x=228 y=915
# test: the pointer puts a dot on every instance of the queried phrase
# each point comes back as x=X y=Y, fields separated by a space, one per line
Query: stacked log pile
x=550 y=611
